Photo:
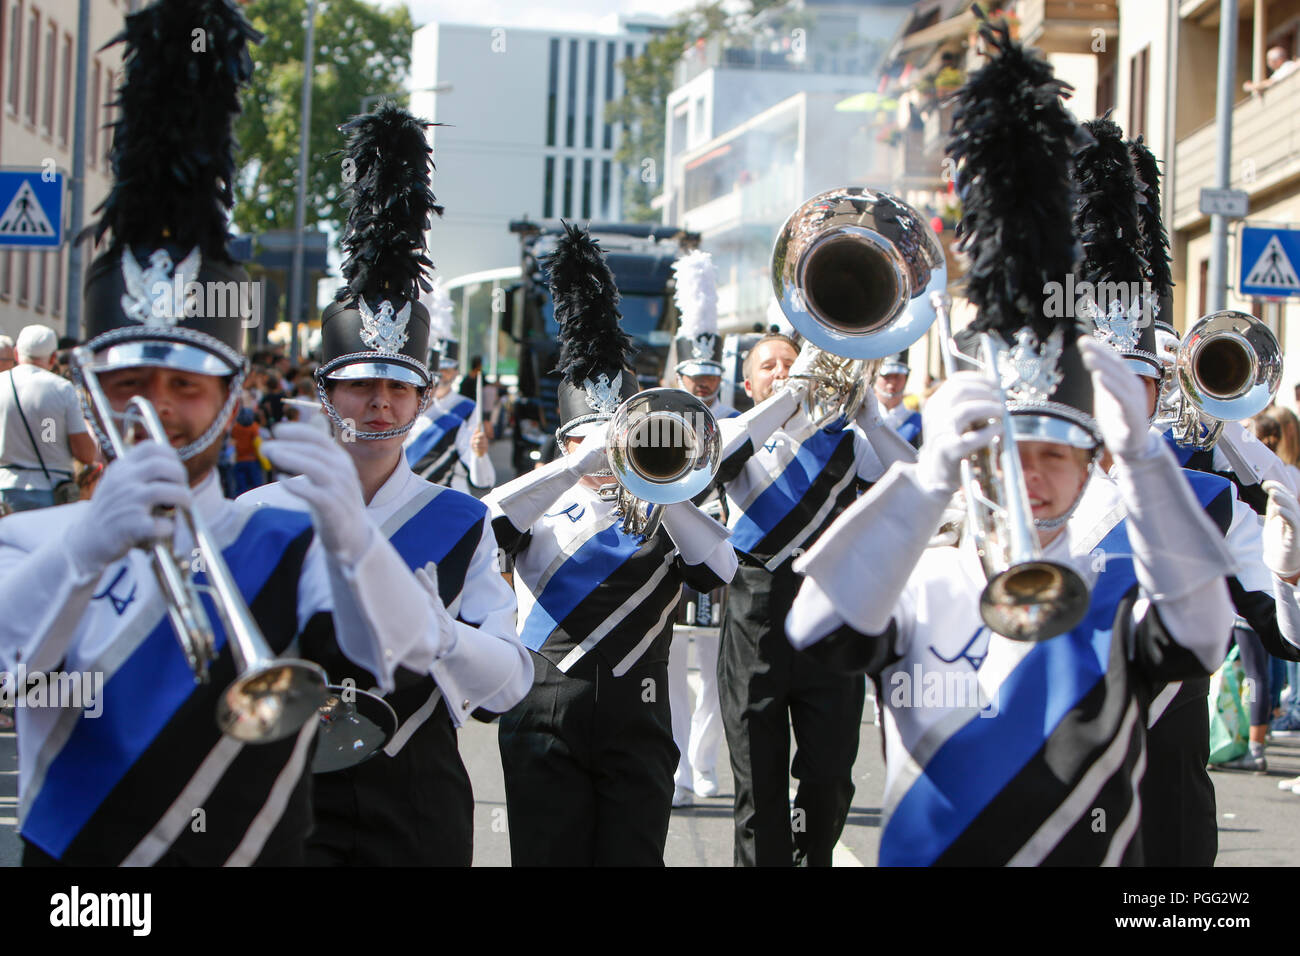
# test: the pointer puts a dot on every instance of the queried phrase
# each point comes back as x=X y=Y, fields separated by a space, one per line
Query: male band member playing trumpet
x=1056 y=727
x=786 y=478
x=588 y=756
x=143 y=775
x=411 y=804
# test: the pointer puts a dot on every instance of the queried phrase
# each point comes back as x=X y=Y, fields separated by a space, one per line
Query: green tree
x=361 y=50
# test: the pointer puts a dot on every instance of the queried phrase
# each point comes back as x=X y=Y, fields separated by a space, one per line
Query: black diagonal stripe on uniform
x=633 y=629
x=1220 y=509
x=434 y=455
x=729 y=468
x=153 y=782
x=1259 y=609
x=700 y=577
x=1013 y=816
x=454 y=566
x=608 y=596
x=441 y=473
x=783 y=533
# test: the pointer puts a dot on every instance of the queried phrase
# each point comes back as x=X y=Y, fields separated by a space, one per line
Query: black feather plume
x=173 y=151
x=1151 y=227
x=1106 y=210
x=1011 y=140
x=391 y=207
x=586 y=307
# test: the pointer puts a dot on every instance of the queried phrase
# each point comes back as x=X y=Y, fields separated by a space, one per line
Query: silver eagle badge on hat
x=141 y=301
x=385 y=330
x=602 y=396
x=1029 y=373
x=1117 y=328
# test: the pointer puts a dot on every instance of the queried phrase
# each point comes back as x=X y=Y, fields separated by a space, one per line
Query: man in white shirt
x=42 y=430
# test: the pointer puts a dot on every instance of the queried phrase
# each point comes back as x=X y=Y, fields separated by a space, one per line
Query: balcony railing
x=1066 y=26
x=1265 y=150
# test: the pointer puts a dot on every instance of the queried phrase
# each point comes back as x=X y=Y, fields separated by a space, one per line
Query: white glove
x=1166 y=348
x=331 y=488
x=121 y=513
x=869 y=417
x=1119 y=402
x=589 y=457
x=1281 y=521
x=966 y=401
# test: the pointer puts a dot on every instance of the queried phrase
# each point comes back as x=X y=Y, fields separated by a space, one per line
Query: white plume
x=696 y=294
x=441 y=312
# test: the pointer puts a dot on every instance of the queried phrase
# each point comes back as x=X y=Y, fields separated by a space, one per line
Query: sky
x=552 y=14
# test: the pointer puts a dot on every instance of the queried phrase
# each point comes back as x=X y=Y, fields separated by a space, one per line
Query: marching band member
x=588 y=756
x=448 y=444
x=1055 y=728
x=785 y=481
x=412 y=804
x=145 y=776
x=698 y=347
x=891 y=385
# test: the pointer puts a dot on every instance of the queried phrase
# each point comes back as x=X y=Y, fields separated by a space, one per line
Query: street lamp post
x=300 y=208
x=1218 y=290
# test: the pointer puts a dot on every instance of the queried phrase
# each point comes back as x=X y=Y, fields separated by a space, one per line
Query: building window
x=1205 y=287
x=604 y=189
x=566 y=208
x=571 y=115
x=548 y=194
x=56 y=293
x=33 y=64
x=15 y=56
x=92 y=117
x=110 y=94
x=553 y=94
x=6 y=273
x=589 y=120
x=1138 y=75
x=42 y=278
x=23 y=290
x=51 y=73
x=607 y=138
x=65 y=107
x=1106 y=96
x=586 y=189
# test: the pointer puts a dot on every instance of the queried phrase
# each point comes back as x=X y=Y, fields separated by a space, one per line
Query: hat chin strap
x=350 y=433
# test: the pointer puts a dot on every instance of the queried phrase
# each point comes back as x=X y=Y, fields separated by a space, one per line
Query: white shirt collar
x=391 y=490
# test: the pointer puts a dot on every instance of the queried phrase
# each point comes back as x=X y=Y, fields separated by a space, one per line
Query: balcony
x=938 y=124
x=713 y=215
x=1066 y=26
x=1265 y=150
x=913 y=166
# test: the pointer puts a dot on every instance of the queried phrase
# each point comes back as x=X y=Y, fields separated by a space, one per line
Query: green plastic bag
x=1229 y=722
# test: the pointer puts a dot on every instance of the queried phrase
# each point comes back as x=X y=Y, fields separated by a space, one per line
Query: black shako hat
x=1012 y=140
x=594 y=349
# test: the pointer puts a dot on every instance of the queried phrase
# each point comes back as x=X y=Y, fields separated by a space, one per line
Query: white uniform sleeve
x=700 y=539
x=484 y=665
x=524 y=500
x=43 y=593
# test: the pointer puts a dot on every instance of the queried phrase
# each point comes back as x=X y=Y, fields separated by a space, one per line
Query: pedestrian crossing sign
x=1270 y=262
x=31 y=209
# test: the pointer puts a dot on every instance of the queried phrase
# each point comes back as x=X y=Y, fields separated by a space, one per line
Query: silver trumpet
x=1026 y=598
x=853 y=270
x=271 y=698
x=1228 y=367
x=662 y=447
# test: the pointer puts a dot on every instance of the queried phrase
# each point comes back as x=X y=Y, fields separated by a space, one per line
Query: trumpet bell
x=1229 y=366
x=853 y=269
x=664 y=446
x=354 y=726
x=1034 y=601
x=271 y=701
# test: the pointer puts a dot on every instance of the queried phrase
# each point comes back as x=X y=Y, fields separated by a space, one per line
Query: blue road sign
x=1269 y=261
x=31 y=208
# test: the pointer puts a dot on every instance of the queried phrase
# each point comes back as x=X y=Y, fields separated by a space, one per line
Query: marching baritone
x=147 y=776
x=410 y=804
x=588 y=756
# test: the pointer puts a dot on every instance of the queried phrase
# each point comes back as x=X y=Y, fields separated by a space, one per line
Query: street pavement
x=1257 y=822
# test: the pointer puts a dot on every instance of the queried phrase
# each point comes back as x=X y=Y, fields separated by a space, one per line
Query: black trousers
x=589 y=760
x=1179 y=820
x=414 y=809
x=766 y=687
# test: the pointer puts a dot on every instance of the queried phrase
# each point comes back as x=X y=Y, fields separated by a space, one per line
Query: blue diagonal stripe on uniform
x=144 y=694
x=444 y=425
x=595 y=560
x=1181 y=452
x=973 y=766
x=780 y=497
x=432 y=532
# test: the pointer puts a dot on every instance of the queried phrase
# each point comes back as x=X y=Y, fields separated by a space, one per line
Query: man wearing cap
x=42 y=430
x=141 y=773
x=891 y=386
x=410 y=804
x=448 y=445
x=588 y=756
